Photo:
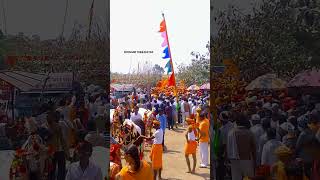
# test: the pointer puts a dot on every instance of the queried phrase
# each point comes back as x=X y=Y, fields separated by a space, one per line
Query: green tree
x=198 y=72
x=157 y=70
x=265 y=41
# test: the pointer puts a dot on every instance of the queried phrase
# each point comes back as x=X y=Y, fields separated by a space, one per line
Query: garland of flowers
x=18 y=168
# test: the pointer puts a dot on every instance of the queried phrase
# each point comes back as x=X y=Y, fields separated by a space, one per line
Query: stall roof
x=122 y=87
x=22 y=80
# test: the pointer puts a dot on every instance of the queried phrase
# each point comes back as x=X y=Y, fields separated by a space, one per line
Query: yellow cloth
x=190 y=147
x=280 y=172
x=156 y=156
x=145 y=173
x=204 y=130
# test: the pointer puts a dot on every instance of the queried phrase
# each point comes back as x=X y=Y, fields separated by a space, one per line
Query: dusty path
x=174 y=163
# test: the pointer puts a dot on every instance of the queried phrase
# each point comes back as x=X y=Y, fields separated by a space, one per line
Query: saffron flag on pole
x=167 y=54
x=172 y=80
x=163 y=26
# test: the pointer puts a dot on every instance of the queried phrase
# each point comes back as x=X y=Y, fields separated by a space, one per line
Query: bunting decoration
x=167 y=55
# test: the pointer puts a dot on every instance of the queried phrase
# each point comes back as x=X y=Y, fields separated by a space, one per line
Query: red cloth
x=115 y=148
x=171 y=80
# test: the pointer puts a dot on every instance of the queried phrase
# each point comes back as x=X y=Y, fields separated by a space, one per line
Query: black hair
x=62 y=102
x=134 y=153
x=92 y=126
x=282 y=119
x=314 y=117
x=271 y=133
x=268 y=113
x=224 y=116
x=85 y=146
x=293 y=120
x=54 y=115
x=266 y=123
x=241 y=119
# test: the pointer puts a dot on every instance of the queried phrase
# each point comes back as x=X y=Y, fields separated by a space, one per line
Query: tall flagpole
x=90 y=19
x=167 y=36
x=65 y=18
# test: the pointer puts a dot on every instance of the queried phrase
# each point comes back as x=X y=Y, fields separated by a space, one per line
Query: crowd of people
x=189 y=111
x=57 y=140
x=268 y=134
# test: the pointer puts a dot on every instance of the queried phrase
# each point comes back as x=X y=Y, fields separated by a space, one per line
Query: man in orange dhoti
x=191 y=148
x=157 y=149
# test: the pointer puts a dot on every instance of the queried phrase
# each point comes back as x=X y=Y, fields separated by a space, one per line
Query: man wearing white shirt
x=257 y=131
x=159 y=101
x=84 y=169
x=136 y=115
x=183 y=115
x=268 y=157
x=190 y=103
x=194 y=107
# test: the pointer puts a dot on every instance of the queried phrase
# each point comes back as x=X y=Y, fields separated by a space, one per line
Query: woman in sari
x=135 y=168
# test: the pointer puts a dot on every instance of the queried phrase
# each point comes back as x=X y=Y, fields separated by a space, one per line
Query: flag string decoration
x=167 y=54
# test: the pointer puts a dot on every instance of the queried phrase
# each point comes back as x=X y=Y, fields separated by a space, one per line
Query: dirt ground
x=174 y=163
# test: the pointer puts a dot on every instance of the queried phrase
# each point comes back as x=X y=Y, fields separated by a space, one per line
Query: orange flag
x=162 y=26
x=172 y=80
x=164 y=83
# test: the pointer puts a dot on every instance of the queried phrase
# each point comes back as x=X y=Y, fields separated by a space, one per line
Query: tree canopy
x=272 y=39
x=198 y=72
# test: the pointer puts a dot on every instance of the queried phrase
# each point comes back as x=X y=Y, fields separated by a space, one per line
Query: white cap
x=287 y=127
x=255 y=117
